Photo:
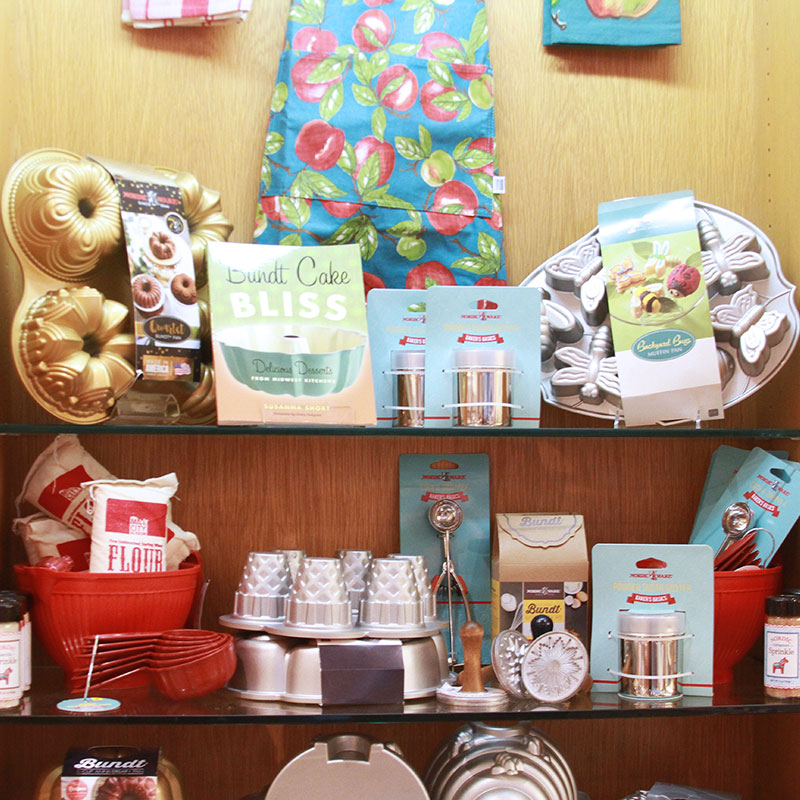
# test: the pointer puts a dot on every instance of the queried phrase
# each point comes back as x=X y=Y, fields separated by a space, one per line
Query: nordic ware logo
x=663 y=345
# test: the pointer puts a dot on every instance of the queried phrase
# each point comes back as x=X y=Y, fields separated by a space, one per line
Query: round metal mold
x=263 y=587
x=260 y=667
x=313 y=631
x=508 y=651
x=318 y=600
x=241 y=624
x=489 y=698
x=516 y=762
x=422 y=669
x=344 y=766
x=554 y=667
x=391 y=601
x=427 y=630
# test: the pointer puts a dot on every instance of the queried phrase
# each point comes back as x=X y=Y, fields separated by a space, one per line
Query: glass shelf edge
x=12 y=429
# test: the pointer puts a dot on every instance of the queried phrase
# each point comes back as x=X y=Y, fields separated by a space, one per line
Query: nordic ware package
x=480 y=368
x=71 y=343
x=396 y=321
x=756 y=323
x=382 y=133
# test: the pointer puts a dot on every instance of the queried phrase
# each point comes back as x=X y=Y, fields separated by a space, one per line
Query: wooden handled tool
x=471 y=640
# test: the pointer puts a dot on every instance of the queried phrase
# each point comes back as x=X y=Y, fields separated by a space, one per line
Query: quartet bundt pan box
x=166 y=786
x=71 y=344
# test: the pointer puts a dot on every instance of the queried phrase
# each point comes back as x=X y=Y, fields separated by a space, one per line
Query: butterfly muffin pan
x=753 y=315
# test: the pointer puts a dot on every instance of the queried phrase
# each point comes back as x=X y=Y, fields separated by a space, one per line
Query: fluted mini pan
x=319 y=605
x=391 y=606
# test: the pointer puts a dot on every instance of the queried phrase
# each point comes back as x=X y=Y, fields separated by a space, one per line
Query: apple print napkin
x=622 y=23
x=167 y=13
x=382 y=133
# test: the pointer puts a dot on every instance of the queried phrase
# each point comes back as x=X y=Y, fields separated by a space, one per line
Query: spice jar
x=12 y=646
x=781 y=646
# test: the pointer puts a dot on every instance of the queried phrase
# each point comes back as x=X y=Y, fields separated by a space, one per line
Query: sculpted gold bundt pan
x=61 y=214
x=76 y=360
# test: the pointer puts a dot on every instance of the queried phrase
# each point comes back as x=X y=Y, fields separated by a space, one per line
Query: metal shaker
x=408 y=367
x=483 y=380
x=650 y=654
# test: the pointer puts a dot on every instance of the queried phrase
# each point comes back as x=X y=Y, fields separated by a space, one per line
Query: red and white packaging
x=129 y=524
x=53 y=483
x=45 y=537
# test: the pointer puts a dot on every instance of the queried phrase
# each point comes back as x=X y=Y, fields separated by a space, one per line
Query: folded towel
x=168 y=13
x=621 y=23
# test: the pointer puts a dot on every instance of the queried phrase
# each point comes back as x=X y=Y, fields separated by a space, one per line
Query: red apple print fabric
x=382 y=133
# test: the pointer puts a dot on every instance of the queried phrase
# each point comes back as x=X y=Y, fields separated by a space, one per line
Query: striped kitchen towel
x=168 y=13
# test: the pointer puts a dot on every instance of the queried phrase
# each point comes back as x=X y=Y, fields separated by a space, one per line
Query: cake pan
x=263 y=588
x=260 y=667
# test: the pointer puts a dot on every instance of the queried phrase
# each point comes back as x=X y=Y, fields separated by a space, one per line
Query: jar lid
x=672 y=623
x=483 y=359
x=408 y=359
x=784 y=605
x=10 y=608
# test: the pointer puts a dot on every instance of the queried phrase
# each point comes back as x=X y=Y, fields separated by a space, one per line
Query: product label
x=136 y=532
x=781 y=647
x=94 y=773
x=163 y=287
x=10 y=655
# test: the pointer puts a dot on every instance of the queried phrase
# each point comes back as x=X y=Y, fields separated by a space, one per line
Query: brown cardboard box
x=540 y=568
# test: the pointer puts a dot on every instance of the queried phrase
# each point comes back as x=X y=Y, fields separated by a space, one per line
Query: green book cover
x=289 y=335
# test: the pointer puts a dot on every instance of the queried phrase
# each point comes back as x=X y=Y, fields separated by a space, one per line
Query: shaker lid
x=408 y=359
x=483 y=359
x=784 y=605
x=672 y=623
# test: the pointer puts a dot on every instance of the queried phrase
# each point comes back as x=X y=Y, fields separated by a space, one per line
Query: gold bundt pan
x=61 y=214
x=76 y=361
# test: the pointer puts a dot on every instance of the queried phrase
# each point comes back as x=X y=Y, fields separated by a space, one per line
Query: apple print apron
x=382 y=133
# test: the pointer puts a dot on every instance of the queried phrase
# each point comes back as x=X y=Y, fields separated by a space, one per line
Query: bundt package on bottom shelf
x=112 y=773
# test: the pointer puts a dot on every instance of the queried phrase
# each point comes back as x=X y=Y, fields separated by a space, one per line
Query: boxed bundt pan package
x=111 y=773
x=74 y=343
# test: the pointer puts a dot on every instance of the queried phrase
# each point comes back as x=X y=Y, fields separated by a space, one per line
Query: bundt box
x=540 y=574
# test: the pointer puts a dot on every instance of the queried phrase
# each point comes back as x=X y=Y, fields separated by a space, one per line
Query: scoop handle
x=471 y=640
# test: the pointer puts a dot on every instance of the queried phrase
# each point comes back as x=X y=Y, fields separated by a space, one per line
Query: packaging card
x=86 y=772
x=540 y=568
x=361 y=672
x=424 y=479
x=164 y=292
x=660 y=319
x=725 y=463
x=771 y=488
x=653 y=578
x=289 y=335
x=502 y=321
x=396 y=322
x=622 y=23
